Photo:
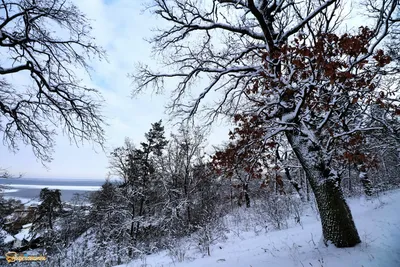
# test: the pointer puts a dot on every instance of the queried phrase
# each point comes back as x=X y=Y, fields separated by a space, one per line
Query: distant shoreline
x=28 y=189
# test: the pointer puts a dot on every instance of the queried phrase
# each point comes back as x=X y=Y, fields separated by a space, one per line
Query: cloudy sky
x=120 y=27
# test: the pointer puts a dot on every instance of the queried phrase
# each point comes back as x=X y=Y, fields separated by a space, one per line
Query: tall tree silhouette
x=286 y=75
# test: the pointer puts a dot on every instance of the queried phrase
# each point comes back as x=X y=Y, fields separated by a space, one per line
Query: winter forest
x=309 y=174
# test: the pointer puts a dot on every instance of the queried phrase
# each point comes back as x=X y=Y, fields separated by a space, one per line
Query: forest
x=313 y=108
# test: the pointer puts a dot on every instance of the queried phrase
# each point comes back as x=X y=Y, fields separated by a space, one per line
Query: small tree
x=111 y=219
x=181 y=179
x=43 y=225
x=142 y=168
x=138 y=169
x=50 y=206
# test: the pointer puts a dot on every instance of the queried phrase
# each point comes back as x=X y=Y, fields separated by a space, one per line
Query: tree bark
x=338 y=226
x=337 y=222
x=303 y=176
x=350 y=185
x=246 y=195
x=133 y=223
x=140 y=214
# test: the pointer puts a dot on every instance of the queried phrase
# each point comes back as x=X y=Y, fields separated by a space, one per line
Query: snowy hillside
x=377 y=220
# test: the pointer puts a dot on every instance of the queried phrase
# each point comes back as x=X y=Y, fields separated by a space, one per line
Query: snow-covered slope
x=377 y=220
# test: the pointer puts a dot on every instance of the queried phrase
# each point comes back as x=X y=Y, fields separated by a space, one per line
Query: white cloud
x=120 y=27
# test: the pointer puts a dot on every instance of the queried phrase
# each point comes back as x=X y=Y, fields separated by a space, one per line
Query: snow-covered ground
x=377 y=220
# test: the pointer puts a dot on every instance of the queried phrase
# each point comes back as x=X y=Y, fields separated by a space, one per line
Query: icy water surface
x=29 y=188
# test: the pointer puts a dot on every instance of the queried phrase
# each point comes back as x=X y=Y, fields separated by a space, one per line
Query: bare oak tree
x=285 y=72
x=43 y=42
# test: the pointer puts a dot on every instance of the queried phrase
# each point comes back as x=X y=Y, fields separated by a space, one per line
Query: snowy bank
x=377 y=220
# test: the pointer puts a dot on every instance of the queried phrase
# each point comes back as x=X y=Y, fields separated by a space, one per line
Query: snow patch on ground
x=7 y=237
x=377 y=221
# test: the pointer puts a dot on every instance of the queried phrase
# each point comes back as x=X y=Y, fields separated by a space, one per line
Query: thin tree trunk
x=301 y=178
x=338 y=226
x=133 y=223
x=350 y=185
x=295 y=184
x=50 y=219
x=276 y=176
x=119 y=255
x=140 y=214
x=189 y=216
x=231 y=192
x=246 y=194
x=303 y=173
x=299 y=188
x=185 y=188
x=365 y=181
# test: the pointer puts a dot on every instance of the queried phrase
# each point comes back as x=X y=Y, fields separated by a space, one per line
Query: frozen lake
x=29 y=188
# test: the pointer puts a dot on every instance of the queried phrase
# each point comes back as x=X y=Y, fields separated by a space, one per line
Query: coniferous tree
x=51 y=205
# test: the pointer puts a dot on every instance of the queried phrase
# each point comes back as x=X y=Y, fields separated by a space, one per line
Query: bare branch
x=54 y=98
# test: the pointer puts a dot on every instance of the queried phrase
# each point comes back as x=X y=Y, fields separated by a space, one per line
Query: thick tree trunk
x=337 y=222
x=338 y=226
